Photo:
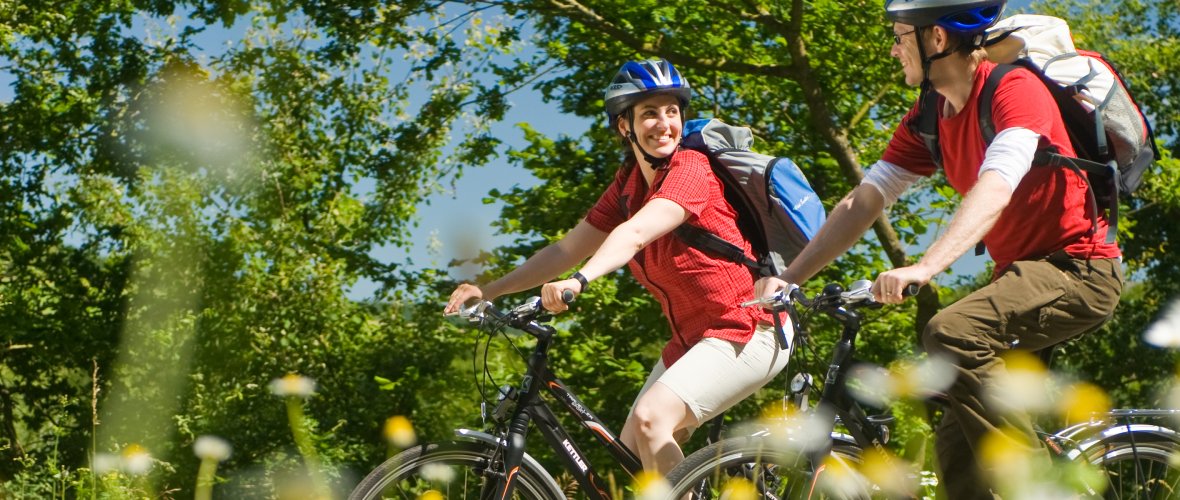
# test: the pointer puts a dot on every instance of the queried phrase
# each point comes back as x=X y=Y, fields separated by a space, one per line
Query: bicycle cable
x=481 y=385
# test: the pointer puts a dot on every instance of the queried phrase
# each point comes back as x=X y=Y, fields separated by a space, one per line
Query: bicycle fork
x=504 y=484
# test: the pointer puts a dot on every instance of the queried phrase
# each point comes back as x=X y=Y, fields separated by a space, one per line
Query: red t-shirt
x=1050 y=209
x=700 y=294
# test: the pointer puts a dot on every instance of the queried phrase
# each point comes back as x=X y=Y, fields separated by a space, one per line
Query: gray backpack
x=777 y=209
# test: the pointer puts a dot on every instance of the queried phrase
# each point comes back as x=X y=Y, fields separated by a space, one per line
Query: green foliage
x=180 y=227
x=179 y=224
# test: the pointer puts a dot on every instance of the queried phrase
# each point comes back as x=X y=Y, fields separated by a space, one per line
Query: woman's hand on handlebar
x=555 y=295
x=461 y=296
x=890 y=285
x=765 y=287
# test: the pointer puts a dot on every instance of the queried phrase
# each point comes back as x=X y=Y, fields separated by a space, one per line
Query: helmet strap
x=922 y=57
x=927 y=61
x=656 y=163
x=927 y=86
x=976 y=41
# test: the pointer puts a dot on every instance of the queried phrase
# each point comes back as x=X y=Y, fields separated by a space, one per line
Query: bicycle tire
x=454 y=470
x=1146 y=470
x=755 y=462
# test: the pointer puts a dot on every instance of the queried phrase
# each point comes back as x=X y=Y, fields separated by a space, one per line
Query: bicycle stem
x=842 y=352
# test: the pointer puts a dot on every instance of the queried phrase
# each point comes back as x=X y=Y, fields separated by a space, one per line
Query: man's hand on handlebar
x=890 y=285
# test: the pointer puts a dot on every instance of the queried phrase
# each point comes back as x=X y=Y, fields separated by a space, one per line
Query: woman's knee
x=659 y=413
x=647 y=421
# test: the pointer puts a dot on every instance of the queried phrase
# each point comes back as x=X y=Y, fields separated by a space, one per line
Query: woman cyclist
x=719 y=353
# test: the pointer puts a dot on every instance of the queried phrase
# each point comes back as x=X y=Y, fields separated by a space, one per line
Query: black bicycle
x=817 y=452
x=495 y=464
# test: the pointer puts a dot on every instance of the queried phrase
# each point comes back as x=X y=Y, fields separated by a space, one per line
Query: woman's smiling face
x=658 y=125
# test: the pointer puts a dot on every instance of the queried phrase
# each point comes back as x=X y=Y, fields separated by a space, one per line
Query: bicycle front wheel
x=452 y=470
x=1147 y=469
x=755 y=468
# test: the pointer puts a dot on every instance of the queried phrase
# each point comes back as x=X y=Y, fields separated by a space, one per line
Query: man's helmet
x=966 y=17
x=637 y=80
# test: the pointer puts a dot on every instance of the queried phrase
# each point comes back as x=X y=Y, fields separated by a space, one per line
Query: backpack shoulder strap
x=705 y=241
x=986 y=126
x=1044 y=156
x=927 y=123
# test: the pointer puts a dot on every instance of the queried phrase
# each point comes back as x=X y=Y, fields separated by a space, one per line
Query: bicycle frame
x=835 y=398
x=528 y=407
x=1067 y=444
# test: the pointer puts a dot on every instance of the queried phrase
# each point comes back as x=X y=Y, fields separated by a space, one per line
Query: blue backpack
x=777 y=209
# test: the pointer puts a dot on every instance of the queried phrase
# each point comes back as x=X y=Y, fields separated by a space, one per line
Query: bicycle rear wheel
x=1147 y=470
x=740 y=467
x=453 y=470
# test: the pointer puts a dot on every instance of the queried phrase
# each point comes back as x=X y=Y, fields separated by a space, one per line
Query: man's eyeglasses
x=897 y=36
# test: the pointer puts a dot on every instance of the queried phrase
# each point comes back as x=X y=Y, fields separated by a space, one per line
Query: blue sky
x=456 y=217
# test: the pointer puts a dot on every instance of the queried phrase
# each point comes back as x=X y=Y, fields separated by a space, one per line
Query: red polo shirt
x=700 y=294
x=1050 y=209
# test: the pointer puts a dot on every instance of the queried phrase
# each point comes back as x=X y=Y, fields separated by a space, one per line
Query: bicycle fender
x=844 y=439
x=479 y=437
x=838 y=438
x=528 y=462
x=1140 y=433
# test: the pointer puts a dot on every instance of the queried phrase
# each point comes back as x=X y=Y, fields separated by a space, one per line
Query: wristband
x=581 y=279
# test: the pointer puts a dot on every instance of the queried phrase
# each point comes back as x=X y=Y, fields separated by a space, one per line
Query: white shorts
x=716 y=374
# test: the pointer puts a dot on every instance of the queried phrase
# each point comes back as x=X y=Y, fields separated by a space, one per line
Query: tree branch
x=572 y=9
x=868 y=105
x=789 y=29
x=823 y=119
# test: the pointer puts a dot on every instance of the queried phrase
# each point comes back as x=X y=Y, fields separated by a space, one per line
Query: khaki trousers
x=1034 y=304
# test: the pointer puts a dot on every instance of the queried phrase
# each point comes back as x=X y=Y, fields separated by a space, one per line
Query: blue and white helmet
x=965 y=17
x=637 y=80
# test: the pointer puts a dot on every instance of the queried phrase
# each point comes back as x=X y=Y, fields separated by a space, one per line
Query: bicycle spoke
x=1140 y=472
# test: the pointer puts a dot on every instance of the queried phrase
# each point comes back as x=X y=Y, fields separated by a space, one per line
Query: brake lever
x=779 y=301
x=475 y=313
x=528 y=308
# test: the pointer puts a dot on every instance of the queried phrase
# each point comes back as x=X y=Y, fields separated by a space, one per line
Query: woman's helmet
x=966 y=17
x=637 y=80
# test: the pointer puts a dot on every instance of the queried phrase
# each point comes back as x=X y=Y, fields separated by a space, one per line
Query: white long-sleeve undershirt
x=1010 y=155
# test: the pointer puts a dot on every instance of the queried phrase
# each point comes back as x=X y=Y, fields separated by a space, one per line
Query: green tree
x=1143 y=39
x=829 y=97
x=179 y=226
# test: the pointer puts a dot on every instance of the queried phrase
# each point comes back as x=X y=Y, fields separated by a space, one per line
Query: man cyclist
x=1055 y=275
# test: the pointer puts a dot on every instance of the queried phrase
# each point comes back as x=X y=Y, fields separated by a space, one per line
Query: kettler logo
x=574 y=455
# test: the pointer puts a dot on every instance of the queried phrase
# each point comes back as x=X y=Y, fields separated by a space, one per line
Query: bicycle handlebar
x=860 y=292
x=523 y=316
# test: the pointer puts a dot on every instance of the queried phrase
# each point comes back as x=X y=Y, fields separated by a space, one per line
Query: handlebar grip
x=567 y=296
x=910 y=290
